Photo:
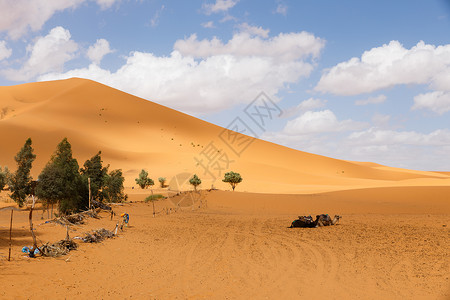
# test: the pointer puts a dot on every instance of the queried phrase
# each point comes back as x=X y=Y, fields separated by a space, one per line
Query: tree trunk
x=10 y=229
x=89 y=184
x=30 y=218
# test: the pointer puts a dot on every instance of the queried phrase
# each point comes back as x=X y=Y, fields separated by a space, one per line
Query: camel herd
x=321 y=220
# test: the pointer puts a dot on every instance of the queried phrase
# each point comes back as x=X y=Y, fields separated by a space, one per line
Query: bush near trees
x=20 y=184
x=143 y=181
x=232 y=178
x=195 y=181
x=162 y=181
x=60 y=181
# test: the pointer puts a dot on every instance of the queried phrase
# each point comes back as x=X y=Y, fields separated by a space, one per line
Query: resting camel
x=321 y=220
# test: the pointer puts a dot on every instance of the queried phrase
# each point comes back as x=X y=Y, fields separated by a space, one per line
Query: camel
x=325 y=220
x=321 y=220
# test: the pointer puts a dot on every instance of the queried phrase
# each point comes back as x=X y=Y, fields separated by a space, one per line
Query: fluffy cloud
x=96 y=52
x=306 y=105
x=283 y=47
x=5 y=52
x=209 y=75
x=319 y=122
x=104 y=4
x=209 y=24
x=405 y=149
x=378 y=137
x=387 y=66
x=381 y=120
x=219 y=6
x=438 y=101
x=371 y=100
x=48 y=54
x=254 y=30
x=25 y=15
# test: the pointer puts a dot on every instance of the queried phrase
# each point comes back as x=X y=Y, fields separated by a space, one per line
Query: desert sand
x=392 y=242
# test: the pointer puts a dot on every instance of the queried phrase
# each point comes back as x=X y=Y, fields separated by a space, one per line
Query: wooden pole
x=153 y=202
x=10 y=229
x=89 y=183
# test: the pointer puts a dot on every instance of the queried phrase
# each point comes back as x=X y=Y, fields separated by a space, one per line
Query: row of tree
x=144 y=181
x=62 y=181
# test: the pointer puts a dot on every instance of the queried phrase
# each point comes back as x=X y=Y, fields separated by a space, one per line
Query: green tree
x=114 y=186
x=232 y=178
x=4 y=177
x=21 y=180
x=195 y=181
x=162 y=181
x=60 y=181
x=93 y=169
x=143 y=181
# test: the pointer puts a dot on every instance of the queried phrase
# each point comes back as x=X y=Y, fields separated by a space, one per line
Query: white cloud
x=104 y=4
x=378 y=137
x=381 y=120
x=154 y=21
x=5 y=52
x=209 y=75
x=438 y=101
x=254 y=30
x=97 y=51
x=387 y=66
x=405 y=149
x=283 y=47
x=48 y=54
x=371 y=100
x=209 y=24
x=282 y=9
x=309 y=104
x=20 y=16
x=319 y=122
x=219 y=6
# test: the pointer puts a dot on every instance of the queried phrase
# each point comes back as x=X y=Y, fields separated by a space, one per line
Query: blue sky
x=357 y=80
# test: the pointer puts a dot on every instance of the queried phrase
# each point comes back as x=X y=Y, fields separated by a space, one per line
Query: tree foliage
x=21 y=180
x=113 y=190
x=5 y=177
x=195 y=181
x=143 y=181
x=232 y=178
x=93 y=169
x=60 y=181
x=162 y=181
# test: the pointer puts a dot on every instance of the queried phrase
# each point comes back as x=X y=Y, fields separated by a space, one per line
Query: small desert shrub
x=154 y=197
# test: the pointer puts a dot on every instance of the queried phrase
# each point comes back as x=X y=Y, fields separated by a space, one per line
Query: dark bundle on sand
x=98 y=235
x=100 y=205
x=76 y=219
x=59 y=248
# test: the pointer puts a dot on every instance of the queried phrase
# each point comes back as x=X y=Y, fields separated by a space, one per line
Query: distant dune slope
x=134 y=133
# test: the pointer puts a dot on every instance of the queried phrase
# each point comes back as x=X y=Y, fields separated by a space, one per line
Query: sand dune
x=133 y=133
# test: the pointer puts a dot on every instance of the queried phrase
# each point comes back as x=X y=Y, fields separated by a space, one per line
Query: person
x=126 y=218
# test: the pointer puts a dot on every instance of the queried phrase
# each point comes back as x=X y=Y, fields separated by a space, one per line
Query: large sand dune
x=133 y=133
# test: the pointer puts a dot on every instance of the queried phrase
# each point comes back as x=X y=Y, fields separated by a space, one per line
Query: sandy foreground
x=237 y=245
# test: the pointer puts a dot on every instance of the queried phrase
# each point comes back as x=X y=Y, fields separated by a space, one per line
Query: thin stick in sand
x=10 y=229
